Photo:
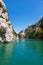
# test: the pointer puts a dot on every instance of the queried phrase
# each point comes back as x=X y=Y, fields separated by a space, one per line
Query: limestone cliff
x=6 y=30
x=22 y=34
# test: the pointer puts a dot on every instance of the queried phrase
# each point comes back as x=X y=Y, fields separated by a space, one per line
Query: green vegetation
x=2 y=30
x=35 y=31
x=28 y=31
x=38 y=33
x=15 y=33
x=1 y=5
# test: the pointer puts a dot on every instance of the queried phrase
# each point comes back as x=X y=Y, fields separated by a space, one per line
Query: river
x=22 y=52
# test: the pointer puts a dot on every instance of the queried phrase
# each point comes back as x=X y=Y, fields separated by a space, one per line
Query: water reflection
x=6 y=52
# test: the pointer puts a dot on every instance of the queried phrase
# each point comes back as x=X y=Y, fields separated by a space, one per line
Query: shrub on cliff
x=2 y=30
x=38 y=33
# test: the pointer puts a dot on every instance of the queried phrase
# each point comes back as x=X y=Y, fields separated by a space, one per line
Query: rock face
x=6 y=30
x=34 y=31
x=21 y=34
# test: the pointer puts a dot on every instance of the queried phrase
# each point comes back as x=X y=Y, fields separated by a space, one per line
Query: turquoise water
x=22 y=52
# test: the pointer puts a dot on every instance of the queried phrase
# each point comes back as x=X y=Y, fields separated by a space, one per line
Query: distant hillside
x=22 y=34
x=34 y=31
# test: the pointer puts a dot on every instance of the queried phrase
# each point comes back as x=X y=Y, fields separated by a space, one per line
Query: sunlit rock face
x=22 y=34
x=6 y=30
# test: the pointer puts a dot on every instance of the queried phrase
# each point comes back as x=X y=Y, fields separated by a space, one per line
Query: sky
x=23 y=13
